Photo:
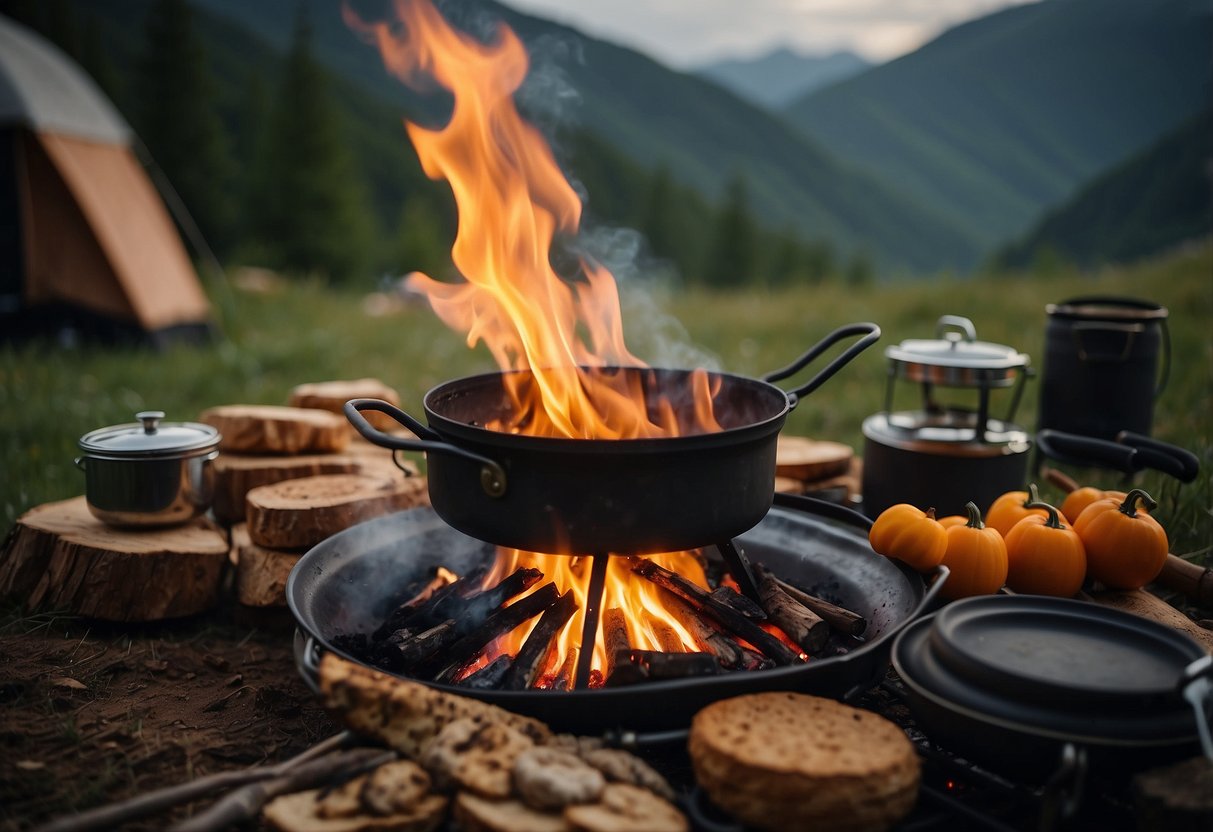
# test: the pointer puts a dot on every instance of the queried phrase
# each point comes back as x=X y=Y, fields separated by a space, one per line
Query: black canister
x=1102 y=365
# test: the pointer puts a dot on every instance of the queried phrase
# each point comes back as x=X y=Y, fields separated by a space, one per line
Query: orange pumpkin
x=1044 y=555
x=976 y=557
x=1080 y=498
x=1126 y=547
x=909 y=534
x=953 y=520
x=1012 y=507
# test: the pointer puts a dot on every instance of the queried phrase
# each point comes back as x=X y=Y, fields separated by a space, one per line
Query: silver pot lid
x=150 y=437
x=955 y=356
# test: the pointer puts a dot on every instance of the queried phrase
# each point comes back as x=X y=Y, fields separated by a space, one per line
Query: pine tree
x=176 y=118
x=310 y=211
x=731 y=255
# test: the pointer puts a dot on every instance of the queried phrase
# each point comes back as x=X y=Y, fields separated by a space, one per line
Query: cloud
x=686 y=33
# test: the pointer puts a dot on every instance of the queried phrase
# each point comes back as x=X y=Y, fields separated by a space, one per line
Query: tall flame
x=513 y=200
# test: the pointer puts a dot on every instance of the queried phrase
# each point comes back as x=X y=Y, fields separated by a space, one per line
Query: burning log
x=491 y=676
x=563 y=679
x=495 y=626
x=735 y=600
x=804 y=626
x=840 y=618
x=722 y=614
x=411 y=650
x=532 y=656
x=421 y=601
x=615 y=639
x=472 y=609
x=667 y=637
x=652 y=665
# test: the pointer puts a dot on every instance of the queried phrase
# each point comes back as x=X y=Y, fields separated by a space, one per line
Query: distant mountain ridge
x=1002 y=117
x=781 y=76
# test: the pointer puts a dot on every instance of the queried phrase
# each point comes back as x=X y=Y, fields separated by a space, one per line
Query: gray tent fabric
x=41 y=90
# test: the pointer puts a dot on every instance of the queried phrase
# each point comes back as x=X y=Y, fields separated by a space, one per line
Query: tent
x=86 y=244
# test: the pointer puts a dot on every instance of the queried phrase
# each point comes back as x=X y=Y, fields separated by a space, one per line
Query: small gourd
x=1126 y=547
x=976 y=557
x=1012 y=507
x=909 y=534
x=1044 y=555
x=1080 y=498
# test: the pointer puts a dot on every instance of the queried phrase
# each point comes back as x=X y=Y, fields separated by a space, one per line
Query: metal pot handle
x=492 y=475
x=1130 y=453
x=1196 y=684
x=871 y=333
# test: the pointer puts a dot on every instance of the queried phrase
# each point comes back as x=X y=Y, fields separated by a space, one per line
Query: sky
x=688 y=33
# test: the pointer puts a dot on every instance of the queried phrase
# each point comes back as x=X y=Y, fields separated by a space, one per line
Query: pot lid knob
x=958 y=322
x=150 y=419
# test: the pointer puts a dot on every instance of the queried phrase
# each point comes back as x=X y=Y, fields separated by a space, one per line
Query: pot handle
x=1196 y=684
x=870 y=333
x=1130 y=453
x=492 y=475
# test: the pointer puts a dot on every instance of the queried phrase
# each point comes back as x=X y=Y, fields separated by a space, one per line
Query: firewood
x=660 y=665
x=533 y=655
x=563 y=679
x=269 y=429
x=840 y=618
x=404 y=655
x=614 y=638
x=802 y=625
x=332 y=396
x=735 y=600
x=491 y=676
x=668 y=640
x=806 y=459
x=470 y=610
x=300 y=513
x=417 y=594
x=495 y=626
x=723 y=615
x=238 y=474
x=261 y=573
x=59 y=556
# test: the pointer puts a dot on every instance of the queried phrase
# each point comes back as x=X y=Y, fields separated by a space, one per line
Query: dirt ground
x=91 y=713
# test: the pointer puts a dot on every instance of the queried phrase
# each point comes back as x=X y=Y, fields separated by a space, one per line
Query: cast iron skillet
x=349 y=583
x=1010 y=681
x=597 y=496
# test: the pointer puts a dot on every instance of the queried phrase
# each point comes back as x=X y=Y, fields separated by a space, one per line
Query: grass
x=50 y=396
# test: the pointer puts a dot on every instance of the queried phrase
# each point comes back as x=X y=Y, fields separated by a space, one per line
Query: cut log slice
x=261 y=573
x=270 y=429
x=332 y=396
x=58 y=556
x=238 y=474
x=804 y=459
x=300 y=513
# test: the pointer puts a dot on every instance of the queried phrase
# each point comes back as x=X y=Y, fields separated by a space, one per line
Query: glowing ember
x=513 y=200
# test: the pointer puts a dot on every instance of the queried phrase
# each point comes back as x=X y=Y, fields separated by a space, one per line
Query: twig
x=152 y=803
x=245 y=803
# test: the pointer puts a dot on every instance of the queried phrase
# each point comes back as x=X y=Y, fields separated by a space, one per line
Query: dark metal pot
x=350 y=582
x=589 y=496
x=1010 y=681
x=149 y=473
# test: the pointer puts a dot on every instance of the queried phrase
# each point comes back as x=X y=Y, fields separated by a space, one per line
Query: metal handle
x=1150 y=448
x=492 y=475
x=308 y=653
x=1086 y=450
x=870 y=333
x=956 y=322
x=150 y=419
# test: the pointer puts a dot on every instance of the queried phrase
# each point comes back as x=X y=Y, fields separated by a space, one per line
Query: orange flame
x=513 y=200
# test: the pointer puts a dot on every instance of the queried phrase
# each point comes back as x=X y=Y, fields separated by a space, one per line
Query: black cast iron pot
x=350 y=582
x=592 y=496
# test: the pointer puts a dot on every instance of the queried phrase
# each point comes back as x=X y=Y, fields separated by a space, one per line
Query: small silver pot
x=148 y=474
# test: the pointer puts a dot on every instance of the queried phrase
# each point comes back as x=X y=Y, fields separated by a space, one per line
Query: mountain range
x=778 y=78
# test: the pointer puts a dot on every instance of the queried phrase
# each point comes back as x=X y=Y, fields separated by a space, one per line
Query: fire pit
x=351 y=583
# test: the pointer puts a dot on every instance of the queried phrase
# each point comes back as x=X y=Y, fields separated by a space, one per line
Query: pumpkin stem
x=974 y=516
x=1129 y=506
x=1033 y=496
x=931 y=513
x=1052 y=522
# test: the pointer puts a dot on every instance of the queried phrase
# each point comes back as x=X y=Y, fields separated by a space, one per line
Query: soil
x=91 y=713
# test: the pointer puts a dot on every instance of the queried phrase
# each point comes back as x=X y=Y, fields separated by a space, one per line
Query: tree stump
x=800 y=458
x=297 y=514
x=238 y=474
x=270 y=429
x=261 y=573
x=58 y=556
x=332 y=396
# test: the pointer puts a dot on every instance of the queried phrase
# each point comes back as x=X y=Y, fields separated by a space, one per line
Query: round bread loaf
x=779 y=761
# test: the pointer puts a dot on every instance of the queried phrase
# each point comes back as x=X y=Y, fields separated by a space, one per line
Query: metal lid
x=1101 y=308
x=149 y=437
x=952 y=434
x=956 y=357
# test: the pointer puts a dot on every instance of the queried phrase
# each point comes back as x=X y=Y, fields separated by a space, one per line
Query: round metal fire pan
x=580 y=496
x=350 y=582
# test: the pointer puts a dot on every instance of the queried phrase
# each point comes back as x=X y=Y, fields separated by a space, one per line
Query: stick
x=805 y=627
x=667 y=637
x=471 y=610
x=735 y=600
x=160 y=800
x=615 y=639
x=418 y=648
x=1194 y=581
x=489 y=677
x=723 y=615
x=245 y=803
x=495 y=626
x=532 y=656
x=840 y=618
x=417 y=612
